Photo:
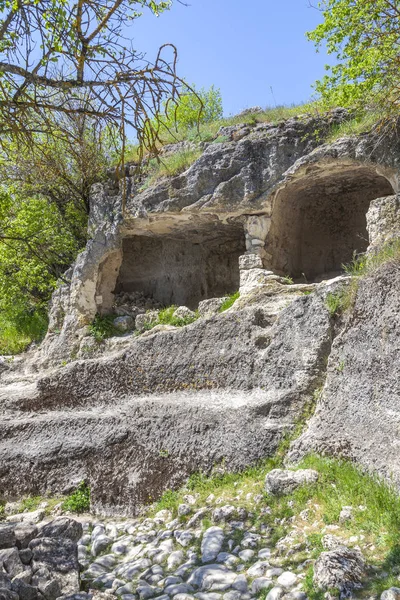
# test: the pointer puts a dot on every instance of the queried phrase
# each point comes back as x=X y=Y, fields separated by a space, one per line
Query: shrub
x=78 y=501
x=193 y=108
x=102 y=327
x=231 y=299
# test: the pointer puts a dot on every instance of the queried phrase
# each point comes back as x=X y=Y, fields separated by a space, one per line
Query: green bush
x=103 y=327
x=193 y=108
x=78 y=501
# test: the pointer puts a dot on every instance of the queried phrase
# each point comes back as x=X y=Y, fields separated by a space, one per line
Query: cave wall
x=179 y=271
x=318 y=223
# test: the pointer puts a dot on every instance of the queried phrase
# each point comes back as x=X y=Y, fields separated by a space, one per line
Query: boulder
x=62 y=527
x=211 y=306
x=342 y=569
x=59 y=557
x=211 y=543
x=183 y=312
x=212 y=577
x=142 y=321
x=10 y=562
x=392 y=593
x=284 y=481
x=124 y=323
x=7 y=537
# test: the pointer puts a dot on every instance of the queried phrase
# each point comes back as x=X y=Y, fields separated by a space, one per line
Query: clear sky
x=244 y=48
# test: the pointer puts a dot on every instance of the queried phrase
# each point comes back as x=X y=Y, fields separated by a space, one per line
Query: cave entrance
x=185 y=267
x=319 y=221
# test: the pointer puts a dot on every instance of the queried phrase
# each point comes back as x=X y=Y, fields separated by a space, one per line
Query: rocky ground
x=249 y=540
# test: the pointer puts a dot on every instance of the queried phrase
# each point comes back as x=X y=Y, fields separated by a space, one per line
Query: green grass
x=360 y=123
x=170 y=165
x=17 y=333
x=166 y=317
x=231 y=299
x=361 y=266
x=79 y=500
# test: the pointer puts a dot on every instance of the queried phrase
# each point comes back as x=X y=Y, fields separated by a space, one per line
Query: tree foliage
x=44 y=203
x=193 y=107
x=62 y=57
x=364 y=36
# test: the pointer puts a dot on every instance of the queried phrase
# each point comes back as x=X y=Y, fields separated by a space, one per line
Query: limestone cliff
x=273 y=212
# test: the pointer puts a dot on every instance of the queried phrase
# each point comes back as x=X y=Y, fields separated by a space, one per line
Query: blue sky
x=244 y=48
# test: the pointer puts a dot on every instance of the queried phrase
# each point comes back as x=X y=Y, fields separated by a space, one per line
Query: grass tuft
x=171 y=165
x=231 y=299
x=103 y=327
x=166 y=317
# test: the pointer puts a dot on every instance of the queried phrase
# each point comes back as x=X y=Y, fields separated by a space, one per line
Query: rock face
x=358 y=415
x=270 y=212
x=224 y=389
x=271 y=198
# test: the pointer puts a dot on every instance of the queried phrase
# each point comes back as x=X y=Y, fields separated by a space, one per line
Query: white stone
x=261 y=583
x=258 y=569
x=287 y=579
x=183 y=312
x=275 y=594
x=211 y=543
x=175 y=559
x=212 y=577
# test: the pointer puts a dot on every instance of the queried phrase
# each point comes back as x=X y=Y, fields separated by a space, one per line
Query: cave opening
x=319 y=221
x=183 y=267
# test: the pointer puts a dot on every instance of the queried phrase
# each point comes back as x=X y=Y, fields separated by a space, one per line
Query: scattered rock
x=211 y=544
x=124 y=323
x=143 y=320
x=211 y=306
x=341 y=569
x=392 y=593
x=183 y=312
x=212 y=577
x=284 y=481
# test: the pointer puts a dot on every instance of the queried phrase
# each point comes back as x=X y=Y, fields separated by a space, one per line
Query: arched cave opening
x=319 y=221
x=183 y=267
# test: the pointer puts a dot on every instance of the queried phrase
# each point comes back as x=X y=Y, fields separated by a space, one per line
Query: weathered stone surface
x=24 y=590
x=34 y=516
x=62 y=527
x=124 y=323
x=145 y=319
x=6 y=594
x=7 y=537
x=211 y=544
x=208 y=382
x=383 y=221
x=59 y=557
x=24 y=533
x=211 y=306
x=358 y=414
x=392 y=593
x=212 y=577
x=183 y=312
x=10 y=562
x=284 y=481
x=341 y=569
